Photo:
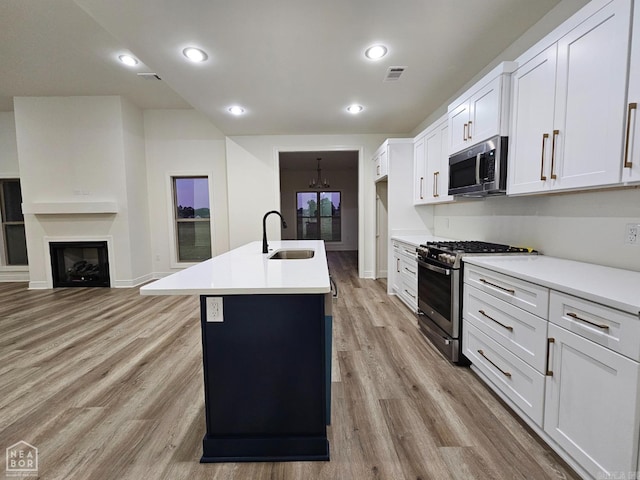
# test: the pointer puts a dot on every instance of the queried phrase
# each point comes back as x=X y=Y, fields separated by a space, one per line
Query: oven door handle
x=443 y=271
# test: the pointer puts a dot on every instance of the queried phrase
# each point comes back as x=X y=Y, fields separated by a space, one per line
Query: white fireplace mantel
x=67 y=208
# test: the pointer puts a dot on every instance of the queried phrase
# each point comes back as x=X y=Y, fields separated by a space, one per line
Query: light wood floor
x=108 y=385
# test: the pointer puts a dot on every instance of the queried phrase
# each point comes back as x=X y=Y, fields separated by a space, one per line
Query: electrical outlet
x=632 y=234
x=214 y=309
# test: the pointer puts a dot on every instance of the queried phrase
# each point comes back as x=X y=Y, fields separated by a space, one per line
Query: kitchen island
x=266 y=333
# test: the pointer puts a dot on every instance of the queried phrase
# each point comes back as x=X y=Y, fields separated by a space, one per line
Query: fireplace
x=79 y=264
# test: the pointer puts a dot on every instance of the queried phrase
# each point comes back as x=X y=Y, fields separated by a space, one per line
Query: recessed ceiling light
x=236 y=110
x=375 y=52
x=128 y=60
x=195 y=54
x=355 y=108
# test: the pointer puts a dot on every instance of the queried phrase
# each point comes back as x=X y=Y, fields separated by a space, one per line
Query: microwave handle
x=478 y=157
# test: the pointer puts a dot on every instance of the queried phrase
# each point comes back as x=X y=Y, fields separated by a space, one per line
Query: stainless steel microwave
x=480 y=170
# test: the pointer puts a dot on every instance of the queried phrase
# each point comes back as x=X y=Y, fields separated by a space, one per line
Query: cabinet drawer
x=520 y=332
x=404 y=249
x=528 y=296
x=408 y=293
x=409 y=270
x=507 y=373
x=603 y=325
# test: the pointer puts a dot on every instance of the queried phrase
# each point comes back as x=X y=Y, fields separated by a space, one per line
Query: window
x=15 y=243
x=192 y=218
x=319 y=216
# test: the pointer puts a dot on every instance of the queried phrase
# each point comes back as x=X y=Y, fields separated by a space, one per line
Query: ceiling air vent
x=393 y=73
x=149 y=76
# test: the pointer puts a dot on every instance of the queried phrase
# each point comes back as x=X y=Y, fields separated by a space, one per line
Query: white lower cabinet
x=514 y=378
x=404 y=273
x=591 y=405
x=571 y=370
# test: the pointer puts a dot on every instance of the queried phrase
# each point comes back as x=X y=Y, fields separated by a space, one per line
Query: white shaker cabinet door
x=531 y=123
x=419 y=172
x=631 y=161
x=484 y=112
x=590 y=100
x=591 y=404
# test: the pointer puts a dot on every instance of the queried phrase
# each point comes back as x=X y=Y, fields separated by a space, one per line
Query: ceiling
x=294 y=65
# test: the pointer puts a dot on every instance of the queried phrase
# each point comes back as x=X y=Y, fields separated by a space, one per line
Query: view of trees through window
x=192 y=218
x=319 y=216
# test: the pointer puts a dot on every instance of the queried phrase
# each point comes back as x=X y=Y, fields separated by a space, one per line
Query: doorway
x=321 y=204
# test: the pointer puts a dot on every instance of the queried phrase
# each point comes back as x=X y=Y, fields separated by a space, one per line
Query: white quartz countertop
x=247 y=271
x=614 y=287
x=416 y=240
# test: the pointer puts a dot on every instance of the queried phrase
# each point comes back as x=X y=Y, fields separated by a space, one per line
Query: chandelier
x=317 y=182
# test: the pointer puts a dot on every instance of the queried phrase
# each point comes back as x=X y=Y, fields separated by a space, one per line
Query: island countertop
x=247 y=271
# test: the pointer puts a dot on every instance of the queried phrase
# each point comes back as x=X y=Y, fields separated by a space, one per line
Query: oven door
x=438 y=296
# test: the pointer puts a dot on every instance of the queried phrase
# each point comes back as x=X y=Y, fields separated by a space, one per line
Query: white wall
x=183 y=142
x=72 y=150
x=253 y=184
x=137 y=204
x=9 y=169
x=344 y=181
x=587 y=226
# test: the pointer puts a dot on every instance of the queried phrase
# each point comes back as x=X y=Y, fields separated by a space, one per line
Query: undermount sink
x=293 y=254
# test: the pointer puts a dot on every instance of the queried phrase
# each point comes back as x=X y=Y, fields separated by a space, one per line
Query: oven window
x=434 y=289
x=463 y=173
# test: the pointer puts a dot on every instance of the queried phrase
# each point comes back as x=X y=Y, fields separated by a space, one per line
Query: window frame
x=319 y=217
x=4 y=251
x=174 y=250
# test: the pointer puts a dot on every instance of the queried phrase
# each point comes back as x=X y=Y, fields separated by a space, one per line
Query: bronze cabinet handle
x=435 y=184
x=548 y=372
x=627 y=163
x=508 y=327
x=509 y=290
x=421 y=188
x=545 y=137
x=469 y=130
x=553 y=153
x=506 y=374
x=397 y=265
x=599 y=325
x=410 y=294
x=465 y=129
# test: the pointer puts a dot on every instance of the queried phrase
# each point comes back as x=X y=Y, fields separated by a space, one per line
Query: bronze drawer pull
x=599 y=325
x=410 y=294
x=553 y=153
x=512 y=292
x=627 y=163
x=506 y=374
x=499 y=323
x=410 y=271
x=547 y=372
x=545 y=136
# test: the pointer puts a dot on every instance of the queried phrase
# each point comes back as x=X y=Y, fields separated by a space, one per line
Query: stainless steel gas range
x=440 y=289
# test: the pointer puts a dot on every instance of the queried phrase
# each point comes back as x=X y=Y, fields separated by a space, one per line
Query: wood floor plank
x=108 y=385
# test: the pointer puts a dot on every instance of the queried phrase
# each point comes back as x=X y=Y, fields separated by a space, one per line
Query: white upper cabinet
x=482 y=111
x=532 y=114
x=631 y=160
x=431 y=164
x=568 y=106
x=381 y=162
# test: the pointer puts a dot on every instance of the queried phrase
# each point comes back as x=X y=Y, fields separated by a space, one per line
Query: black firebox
x=80 y=264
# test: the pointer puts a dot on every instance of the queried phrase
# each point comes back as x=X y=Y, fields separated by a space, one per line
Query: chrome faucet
x=265 y=245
